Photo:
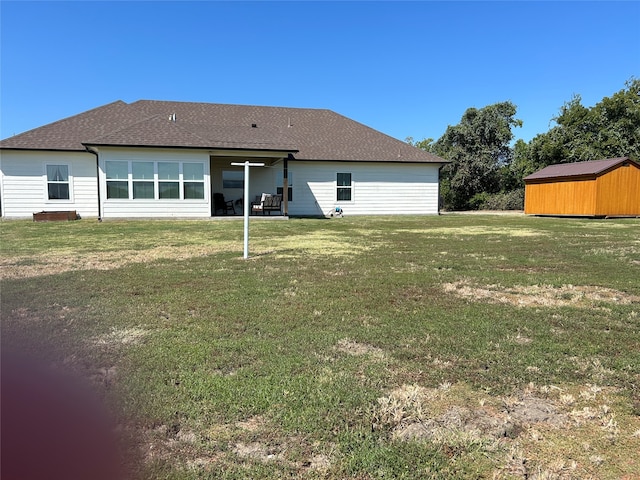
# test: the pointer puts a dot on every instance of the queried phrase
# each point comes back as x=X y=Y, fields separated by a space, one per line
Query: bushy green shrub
x=478 y=201
x=513 y=200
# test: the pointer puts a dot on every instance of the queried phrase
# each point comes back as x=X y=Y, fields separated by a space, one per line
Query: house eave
x=31 y=149
x=360 y=160
x=210 y=149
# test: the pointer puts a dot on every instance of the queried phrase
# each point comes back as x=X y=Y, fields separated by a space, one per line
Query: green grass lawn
x=457 y=346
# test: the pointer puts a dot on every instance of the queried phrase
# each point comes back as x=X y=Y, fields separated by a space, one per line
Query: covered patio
x=227 y=181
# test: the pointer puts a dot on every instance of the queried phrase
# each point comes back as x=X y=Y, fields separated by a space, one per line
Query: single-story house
x=168 y=159
x=600 y=188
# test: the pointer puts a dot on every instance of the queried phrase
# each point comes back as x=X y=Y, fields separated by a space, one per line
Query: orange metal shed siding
x=619 y=191
x=616 y=192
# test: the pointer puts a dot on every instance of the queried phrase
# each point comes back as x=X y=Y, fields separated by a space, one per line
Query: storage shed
x=600 y=188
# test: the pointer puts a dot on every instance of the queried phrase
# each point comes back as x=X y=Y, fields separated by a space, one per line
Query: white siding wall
x=378 y=189
x=123 y=208
x=23 y=183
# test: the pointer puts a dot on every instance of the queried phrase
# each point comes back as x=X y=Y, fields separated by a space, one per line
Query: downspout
x=94 y=152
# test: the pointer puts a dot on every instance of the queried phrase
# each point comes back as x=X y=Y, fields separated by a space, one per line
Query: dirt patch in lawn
x=417 y=413
x=583 y=296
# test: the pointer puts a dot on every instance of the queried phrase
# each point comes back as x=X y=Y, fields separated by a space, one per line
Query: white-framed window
x=58 y=182
x=168 y=180
x=344 y=191
x=117 y=179
x=154 y=180
x=280 y=188
x=143 y=177
x=193 y=178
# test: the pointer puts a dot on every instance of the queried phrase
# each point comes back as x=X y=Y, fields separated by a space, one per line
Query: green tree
x=513 y=173
x=478 y=148
x=425 y=144
x=609 y=129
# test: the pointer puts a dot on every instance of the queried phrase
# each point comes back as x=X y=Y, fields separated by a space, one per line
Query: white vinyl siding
x=377 y=188
x=180 y=183
x=24 y=184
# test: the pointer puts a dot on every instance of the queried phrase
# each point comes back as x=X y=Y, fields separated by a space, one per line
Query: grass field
x=376 y=347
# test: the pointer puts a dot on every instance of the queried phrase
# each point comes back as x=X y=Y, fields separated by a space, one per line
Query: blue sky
x=404 y=68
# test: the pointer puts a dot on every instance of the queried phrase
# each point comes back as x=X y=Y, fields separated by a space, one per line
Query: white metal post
x=246 y=202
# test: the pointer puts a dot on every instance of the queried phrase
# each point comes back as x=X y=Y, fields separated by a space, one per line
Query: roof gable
x=311 y=134
x=578 y=169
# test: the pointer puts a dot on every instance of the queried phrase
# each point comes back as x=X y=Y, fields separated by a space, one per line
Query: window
x=117 y=179
x=344 y=187
x=143 y=179
x=193 y=177
x=279 y=190
x=58 y=182
x=168 y=180
x=232 y=179
x=150 y=180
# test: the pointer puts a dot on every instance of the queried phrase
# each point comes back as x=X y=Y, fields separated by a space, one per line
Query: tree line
x=487 y=169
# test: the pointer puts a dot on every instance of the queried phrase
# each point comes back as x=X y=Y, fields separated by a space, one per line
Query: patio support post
x=285 y=187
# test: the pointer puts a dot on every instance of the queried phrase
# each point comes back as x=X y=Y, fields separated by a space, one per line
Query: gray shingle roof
x=577 y=169
x=310 y=134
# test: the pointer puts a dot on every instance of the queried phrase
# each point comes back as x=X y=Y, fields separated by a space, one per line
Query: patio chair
x=219 y=203
x=267 y=203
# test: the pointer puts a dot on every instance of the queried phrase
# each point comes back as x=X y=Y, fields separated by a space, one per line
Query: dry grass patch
x=542 y=432
x=60 y=262
x=479 y=230
x=316 y=243
x=122 y=336
x=351 y=347
x=259 y=451
x=223 y=446
x=582 y=296
x=448 y=412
